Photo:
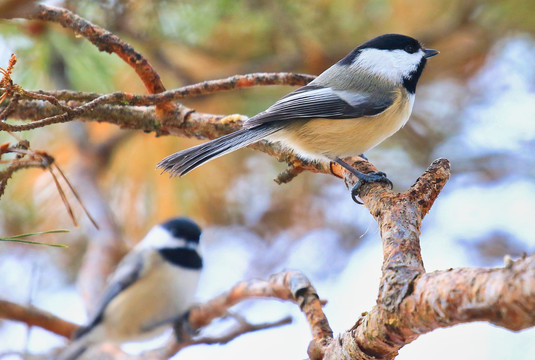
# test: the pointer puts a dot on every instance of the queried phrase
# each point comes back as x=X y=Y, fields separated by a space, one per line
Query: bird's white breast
x=163 y=292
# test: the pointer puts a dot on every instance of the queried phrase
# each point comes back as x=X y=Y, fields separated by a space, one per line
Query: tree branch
x=24 y=159
x=8 y=172
x=208 y=87
x=242 y=328
x=288 y=286
x=104 y=41
x=35 y=317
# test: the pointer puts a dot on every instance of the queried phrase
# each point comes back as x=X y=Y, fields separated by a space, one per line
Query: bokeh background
x=475 y=106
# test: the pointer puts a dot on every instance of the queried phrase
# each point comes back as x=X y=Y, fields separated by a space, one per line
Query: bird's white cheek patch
x=392 y=65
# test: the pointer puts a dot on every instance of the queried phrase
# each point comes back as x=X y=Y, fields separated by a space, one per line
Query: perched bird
x=154 y=283
x=348 y=109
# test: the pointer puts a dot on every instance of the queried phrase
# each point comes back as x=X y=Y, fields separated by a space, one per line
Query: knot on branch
x=396 y=285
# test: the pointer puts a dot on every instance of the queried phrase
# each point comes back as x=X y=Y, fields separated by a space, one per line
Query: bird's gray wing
x=127 y=272
x=311 y=102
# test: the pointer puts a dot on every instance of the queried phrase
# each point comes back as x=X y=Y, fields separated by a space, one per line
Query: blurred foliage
x=190 y=41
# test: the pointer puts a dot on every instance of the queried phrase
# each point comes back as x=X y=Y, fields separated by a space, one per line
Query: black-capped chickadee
x=348 y=109
x=153 y=283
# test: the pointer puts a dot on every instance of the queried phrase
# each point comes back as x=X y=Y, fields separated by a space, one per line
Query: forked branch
x=412 y=302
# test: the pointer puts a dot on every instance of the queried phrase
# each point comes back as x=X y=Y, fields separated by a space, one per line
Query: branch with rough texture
x=35 y=317
x=501 y=296
x=412 y=302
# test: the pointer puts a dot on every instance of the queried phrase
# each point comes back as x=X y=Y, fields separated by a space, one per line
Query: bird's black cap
x=384 y=42
x=183 y=228
x=392 y=42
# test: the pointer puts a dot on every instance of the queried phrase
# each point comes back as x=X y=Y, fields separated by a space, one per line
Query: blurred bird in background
x=153 y=285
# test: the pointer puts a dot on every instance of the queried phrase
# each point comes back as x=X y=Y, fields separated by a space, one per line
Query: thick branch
x=502 y=296
x=411 y=302
x=35 y=317
x=399 y=217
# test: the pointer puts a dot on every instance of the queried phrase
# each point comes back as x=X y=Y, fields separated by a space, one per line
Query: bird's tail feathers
x=184 y=161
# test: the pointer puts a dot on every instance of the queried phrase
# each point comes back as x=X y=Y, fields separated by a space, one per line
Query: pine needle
x=17 y=238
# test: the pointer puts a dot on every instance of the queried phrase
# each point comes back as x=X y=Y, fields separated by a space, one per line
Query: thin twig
x=8 y=172
x=234 y=82
x=243 y=328
x=108 y=42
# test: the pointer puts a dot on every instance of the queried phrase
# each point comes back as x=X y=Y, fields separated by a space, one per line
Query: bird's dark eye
x=411 y=49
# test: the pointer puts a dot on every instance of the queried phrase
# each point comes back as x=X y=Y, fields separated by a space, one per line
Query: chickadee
x=348 y=109
x=153 y=283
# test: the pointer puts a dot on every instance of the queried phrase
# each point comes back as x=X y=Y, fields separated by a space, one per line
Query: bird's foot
x=377 y=176
x=183 y=329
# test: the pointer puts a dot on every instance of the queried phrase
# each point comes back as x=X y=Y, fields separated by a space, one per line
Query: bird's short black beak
x=429 y=53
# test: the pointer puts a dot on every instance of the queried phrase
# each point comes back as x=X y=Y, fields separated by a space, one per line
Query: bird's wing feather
x=311 y=102
x=128 y=271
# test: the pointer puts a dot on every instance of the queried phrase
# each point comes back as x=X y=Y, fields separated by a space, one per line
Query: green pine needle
x=17 y=238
